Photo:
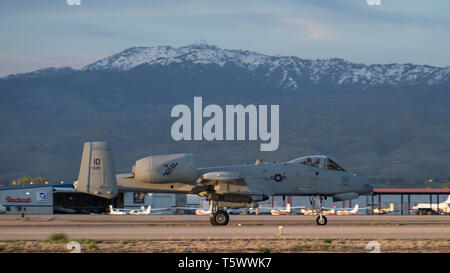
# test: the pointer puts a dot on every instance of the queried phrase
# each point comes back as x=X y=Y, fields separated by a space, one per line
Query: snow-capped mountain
x=291 y=72
x=396 y=128
x=165 y=55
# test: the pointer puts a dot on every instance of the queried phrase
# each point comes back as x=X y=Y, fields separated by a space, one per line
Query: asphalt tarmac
x=167 y=227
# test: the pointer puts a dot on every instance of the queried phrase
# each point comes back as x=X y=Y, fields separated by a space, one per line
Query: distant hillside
x=385 y=121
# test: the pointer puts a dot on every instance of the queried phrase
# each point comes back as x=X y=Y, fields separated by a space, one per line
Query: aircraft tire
x=212 y=219
x=220 y=218
x=321 y=222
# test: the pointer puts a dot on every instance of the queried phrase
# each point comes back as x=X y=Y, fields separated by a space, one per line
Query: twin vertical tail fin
x=97 y=173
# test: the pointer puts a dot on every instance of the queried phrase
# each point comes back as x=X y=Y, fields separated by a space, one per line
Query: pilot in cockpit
x=316 y=163
x=308 y=161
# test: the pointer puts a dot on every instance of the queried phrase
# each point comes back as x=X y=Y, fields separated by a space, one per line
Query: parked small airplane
x=309 y=211
x=329 y=212
x=202 y=212
x=344 y=211
x=286 y=211
x=441 y=208
x=196 y=210
x=277 y=210
x=384 y=210
x=114 y=211
x=142 y=211
x=238 y=186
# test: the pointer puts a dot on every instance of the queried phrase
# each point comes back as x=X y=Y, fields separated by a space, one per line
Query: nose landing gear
x=316 y=207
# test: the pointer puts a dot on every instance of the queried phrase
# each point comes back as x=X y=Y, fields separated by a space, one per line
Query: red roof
x=411 y=191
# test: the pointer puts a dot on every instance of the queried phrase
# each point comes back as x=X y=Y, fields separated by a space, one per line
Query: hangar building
x=49 y=199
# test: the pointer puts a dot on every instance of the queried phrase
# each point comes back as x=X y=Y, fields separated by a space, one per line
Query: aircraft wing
x=225 y=182
x=222 y=183
x=231 y=186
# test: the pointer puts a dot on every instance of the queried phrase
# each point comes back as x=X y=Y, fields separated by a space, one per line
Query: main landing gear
x=218 y=216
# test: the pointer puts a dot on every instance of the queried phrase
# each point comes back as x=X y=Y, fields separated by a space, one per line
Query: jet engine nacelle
x=166 y=168
x=345 y=196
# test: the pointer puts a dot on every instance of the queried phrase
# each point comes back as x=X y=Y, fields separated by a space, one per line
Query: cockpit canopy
x=319 y=161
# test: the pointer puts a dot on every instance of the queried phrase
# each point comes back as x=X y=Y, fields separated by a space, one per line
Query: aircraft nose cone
x=366 y=185
x=367 y=188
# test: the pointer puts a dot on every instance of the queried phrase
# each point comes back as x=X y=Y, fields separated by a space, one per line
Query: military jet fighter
x=239 y=186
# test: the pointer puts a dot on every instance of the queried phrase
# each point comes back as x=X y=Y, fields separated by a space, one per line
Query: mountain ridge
x=292 y=72
x=292 y=68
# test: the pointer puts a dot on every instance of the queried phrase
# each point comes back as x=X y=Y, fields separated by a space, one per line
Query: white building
x=27 y=200
x=49 y=199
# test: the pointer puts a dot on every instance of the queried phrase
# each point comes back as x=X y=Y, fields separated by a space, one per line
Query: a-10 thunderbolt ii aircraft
x=239 y=186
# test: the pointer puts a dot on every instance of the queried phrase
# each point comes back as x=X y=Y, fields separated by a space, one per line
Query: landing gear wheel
x=219 y=218
x=212 y=219
x=321 y=220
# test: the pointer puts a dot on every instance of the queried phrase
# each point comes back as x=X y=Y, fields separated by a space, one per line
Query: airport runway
x=163 y=227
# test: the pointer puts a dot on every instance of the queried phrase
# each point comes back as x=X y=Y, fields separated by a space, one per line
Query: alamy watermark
x=235 y=120
x=73 y=2
x=374 y=2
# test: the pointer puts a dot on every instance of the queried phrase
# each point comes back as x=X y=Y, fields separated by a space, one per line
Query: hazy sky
x=42 y=33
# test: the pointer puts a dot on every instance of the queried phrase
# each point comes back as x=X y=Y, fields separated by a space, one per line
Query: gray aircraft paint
x=297 y=179
x=282 y=178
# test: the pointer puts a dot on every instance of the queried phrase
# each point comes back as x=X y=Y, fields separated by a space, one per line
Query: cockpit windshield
x=331 y=165
x=319 y=161
x=313 y=161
